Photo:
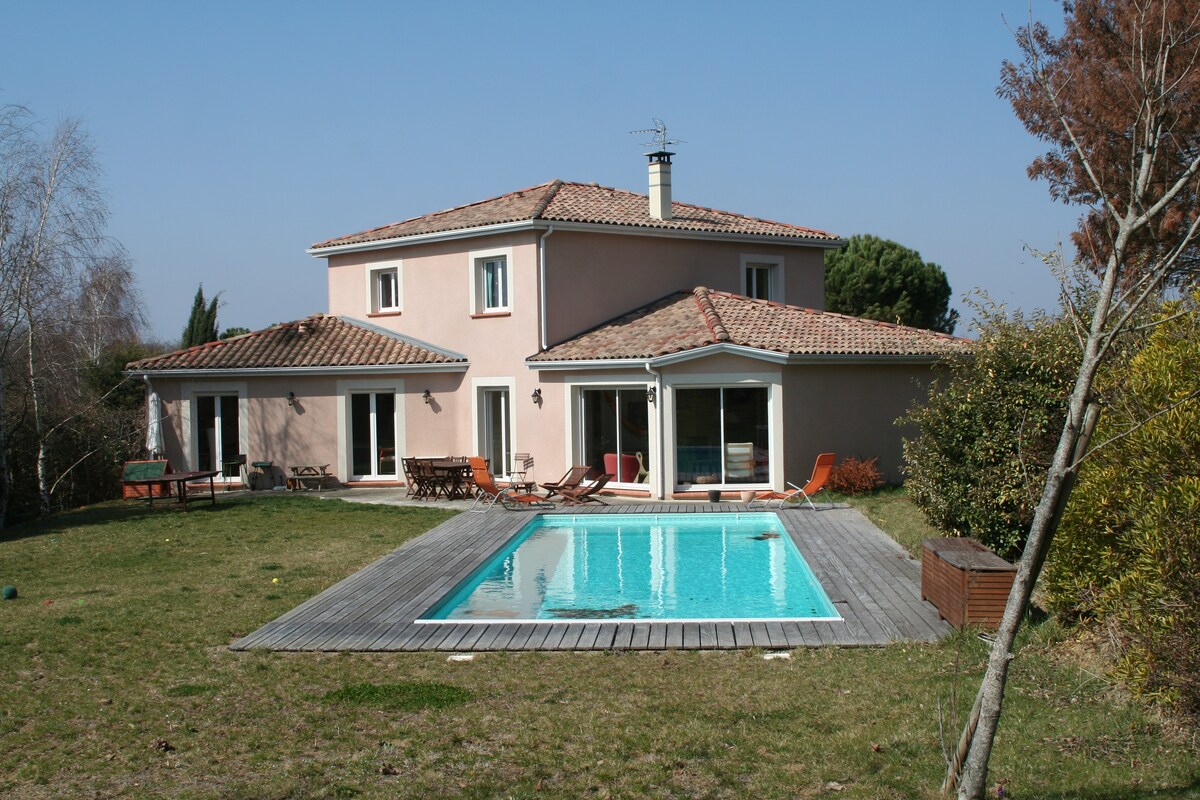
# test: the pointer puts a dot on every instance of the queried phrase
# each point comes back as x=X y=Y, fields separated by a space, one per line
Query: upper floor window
x=491 y=282
x=383 y=289
x=494 y=284
x=758 y=282
x=762 y=277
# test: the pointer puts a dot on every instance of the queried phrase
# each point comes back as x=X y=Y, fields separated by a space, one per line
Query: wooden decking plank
x=691 y=635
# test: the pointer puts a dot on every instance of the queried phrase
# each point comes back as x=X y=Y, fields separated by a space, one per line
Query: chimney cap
x=657 y=156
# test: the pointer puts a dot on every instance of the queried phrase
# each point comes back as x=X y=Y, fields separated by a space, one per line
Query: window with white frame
x=383 y=289
x=762 y=277
x=491 y=281
x=493 y=285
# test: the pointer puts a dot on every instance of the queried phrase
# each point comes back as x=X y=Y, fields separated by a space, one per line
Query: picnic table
x=314 y=473
x=180 y=479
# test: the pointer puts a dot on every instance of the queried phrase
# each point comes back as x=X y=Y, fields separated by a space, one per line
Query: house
x=680 y=348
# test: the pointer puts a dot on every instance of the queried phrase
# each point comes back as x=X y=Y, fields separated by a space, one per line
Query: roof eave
x=773 y=356
x=247 y=372
x=584 y=227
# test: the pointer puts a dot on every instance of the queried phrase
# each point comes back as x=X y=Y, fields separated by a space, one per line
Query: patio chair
x=815 y=485
x=487 y=493
x=585 y=494
x=739 y=461
x=571 y=480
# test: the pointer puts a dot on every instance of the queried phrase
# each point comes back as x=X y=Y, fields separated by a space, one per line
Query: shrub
x=854 y=476
x=1127 y=554
x=989 y=428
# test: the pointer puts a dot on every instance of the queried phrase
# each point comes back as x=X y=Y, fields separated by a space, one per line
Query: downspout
x=660 y=471
x=542 y=287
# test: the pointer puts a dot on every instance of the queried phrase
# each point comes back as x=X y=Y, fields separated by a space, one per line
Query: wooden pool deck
x=871 y=581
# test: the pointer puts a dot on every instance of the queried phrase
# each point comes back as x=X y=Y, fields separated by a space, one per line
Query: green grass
x=118 y=683
x=892 y=511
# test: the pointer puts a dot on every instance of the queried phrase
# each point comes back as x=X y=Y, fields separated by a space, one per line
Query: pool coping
x=872 y=582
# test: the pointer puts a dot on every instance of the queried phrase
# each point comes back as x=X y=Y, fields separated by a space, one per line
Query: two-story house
x=680 y=348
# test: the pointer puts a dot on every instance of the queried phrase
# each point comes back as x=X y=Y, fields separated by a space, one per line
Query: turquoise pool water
x=642 y=566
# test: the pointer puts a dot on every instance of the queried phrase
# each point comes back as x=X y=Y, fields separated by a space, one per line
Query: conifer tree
x=202 y=324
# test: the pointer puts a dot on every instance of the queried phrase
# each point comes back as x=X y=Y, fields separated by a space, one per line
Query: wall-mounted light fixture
x=651 y=394
x=427 y=397
x=291 y=398
x=537 y=396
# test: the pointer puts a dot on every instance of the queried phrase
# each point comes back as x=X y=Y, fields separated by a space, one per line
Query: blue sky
x=235 y=134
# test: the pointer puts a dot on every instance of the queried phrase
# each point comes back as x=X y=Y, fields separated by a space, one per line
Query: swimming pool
x=589 y=567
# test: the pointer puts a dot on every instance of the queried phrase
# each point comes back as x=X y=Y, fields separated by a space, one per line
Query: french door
x=496 y=431
x=373 y=434
x=217 y=430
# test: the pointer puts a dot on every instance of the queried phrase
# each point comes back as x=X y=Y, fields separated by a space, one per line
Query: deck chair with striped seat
x=487 y=494
x=815 y=485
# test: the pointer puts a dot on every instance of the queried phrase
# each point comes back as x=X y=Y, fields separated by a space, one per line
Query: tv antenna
x=661 y=142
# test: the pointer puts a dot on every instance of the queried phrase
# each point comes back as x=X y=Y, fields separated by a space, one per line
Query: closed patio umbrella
x=154 y=437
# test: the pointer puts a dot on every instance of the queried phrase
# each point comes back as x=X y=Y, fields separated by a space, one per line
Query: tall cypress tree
x=202 y=324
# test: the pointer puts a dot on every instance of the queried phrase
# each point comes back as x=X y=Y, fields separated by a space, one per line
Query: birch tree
x=1117 y=99
x=63 y=283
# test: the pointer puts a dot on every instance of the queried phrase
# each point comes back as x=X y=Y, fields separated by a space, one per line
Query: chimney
x=660 y=184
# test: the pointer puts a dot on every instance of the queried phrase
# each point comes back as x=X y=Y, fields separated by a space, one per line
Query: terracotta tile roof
x=689 y=320
x=316 y=341
x=560 y=201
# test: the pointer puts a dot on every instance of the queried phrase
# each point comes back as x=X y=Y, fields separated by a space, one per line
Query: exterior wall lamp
x=651 y=394
x=537 y=396
x=427 y=397
x=291 y=398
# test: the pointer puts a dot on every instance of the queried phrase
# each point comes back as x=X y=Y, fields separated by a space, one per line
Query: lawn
x=118 y=683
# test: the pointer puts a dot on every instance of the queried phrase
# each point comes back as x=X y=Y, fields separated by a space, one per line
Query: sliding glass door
x=722 y=436
x=615 y=435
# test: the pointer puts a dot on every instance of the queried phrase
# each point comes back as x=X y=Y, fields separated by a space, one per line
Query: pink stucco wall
x=850 y=410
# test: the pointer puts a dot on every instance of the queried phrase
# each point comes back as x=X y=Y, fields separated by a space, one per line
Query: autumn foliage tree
x=1116 y=99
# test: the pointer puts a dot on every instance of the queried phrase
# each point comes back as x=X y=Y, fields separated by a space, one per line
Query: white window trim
x=344 y=390
x=189 y=413
x=477 y=257
x=373 y=271
x=775 y=263
x=478 y=386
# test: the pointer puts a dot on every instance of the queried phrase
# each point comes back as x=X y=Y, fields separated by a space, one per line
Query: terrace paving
x=872 y=582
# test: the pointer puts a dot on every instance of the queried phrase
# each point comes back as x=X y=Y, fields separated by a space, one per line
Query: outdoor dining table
x=450 y=478
x=181 y=480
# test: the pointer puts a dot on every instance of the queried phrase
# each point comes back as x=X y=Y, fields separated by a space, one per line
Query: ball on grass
x=9 y=592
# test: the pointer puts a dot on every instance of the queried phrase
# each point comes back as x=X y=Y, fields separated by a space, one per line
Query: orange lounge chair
x=815 y=485
x=571 y=480
x=487 y=494
x=585 y=494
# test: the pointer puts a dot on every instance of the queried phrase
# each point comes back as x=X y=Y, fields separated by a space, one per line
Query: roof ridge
x=711 y=318
x=444 y=211
x=540 y=208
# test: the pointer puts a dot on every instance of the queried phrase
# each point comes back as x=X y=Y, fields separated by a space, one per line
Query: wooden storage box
x=137 y=470
x=965 y=581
